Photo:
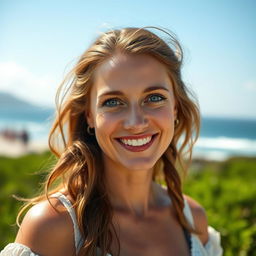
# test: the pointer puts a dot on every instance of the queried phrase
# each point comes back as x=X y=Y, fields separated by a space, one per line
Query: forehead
x=128 y=71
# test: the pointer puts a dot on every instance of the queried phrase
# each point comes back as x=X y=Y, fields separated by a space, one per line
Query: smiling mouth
x=137 y=144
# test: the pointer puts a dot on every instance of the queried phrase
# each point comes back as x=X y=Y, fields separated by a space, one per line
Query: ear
x=89 y=118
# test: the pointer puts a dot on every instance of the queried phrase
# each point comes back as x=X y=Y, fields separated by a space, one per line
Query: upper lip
x=135 y=137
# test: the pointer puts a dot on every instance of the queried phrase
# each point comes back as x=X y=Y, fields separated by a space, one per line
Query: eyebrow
x=149 y=89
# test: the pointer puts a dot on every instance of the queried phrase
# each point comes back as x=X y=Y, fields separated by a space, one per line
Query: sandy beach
x=16 y=148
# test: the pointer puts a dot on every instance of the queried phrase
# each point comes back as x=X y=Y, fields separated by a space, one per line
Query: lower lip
x=138 y=148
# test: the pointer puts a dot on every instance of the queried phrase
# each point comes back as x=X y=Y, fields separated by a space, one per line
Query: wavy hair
x=79 y=167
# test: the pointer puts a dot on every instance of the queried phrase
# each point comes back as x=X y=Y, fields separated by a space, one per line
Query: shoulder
x=47 y=229
x=200 y=219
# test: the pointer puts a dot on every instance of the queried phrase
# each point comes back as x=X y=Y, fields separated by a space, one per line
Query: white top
x=211 y=248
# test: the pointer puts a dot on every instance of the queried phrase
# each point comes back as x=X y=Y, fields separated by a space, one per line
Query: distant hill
x=9 y=101
x=14 y=107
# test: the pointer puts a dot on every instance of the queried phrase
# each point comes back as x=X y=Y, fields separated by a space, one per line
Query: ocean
x=219 y=139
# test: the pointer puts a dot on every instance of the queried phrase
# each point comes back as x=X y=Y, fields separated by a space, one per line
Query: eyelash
x=105 y=103
x=157 y=95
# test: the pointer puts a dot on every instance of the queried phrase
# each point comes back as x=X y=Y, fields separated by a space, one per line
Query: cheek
x=106 y=127
x=164 y=116
x=165 y=121
x=106 y=123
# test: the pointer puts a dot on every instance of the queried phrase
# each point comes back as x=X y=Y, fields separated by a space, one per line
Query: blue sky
x=40 y=40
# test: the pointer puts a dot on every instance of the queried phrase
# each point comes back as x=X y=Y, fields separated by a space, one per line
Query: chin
x=139 y=165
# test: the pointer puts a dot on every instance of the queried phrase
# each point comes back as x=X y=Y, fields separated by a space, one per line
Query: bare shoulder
x=200 y=218
x=47 y=229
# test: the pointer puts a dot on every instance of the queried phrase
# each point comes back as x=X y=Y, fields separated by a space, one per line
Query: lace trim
x=16 y=249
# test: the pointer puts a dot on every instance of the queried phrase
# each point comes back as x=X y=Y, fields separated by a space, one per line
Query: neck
x=131 y=191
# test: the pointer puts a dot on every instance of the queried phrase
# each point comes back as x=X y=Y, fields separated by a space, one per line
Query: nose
x=136 y=119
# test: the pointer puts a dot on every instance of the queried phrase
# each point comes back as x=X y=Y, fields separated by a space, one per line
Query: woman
x=120 y=121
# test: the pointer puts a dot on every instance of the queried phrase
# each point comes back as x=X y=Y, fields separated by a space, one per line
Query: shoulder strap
x=77 y=235
x=187 y=213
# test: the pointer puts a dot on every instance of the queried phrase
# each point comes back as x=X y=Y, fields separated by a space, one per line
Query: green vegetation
x=226 y=190
x=21 y=177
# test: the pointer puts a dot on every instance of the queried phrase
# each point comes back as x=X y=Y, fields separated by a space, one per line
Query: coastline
x=16 y=148
x=219 y=139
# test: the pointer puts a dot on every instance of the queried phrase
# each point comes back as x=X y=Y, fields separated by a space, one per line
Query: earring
x=176 y=122
x=90 y=130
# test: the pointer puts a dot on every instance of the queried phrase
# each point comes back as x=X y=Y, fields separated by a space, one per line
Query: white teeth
x=138 y=142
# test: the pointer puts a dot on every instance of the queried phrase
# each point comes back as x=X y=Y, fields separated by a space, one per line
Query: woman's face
x=132 y=109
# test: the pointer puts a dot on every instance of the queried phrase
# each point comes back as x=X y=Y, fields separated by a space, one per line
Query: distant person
x=24 y=136
x=121 y=121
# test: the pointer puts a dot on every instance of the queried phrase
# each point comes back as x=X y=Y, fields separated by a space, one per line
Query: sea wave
x=220 y=148
x=225 y=143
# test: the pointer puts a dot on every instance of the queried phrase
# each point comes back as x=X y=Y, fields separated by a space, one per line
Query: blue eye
x=155 y=98
x=111 y=103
